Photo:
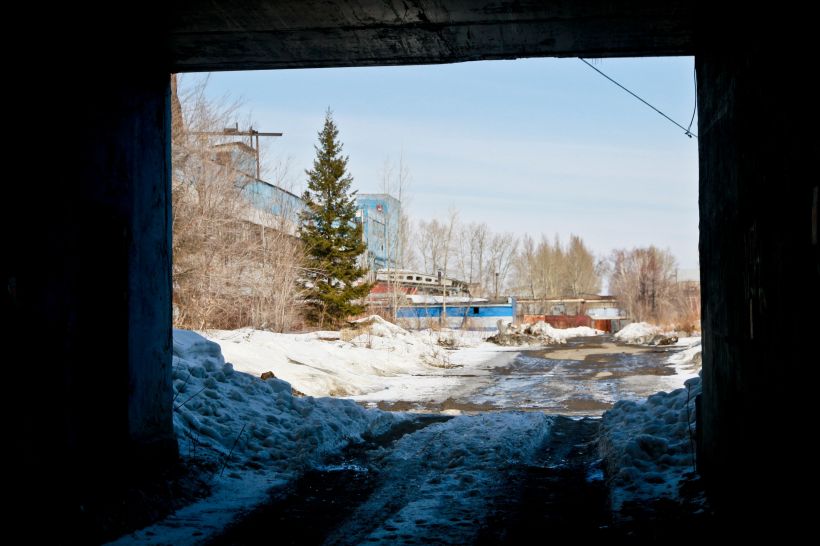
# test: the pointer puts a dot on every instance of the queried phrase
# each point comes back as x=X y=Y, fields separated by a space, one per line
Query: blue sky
x=529 y=146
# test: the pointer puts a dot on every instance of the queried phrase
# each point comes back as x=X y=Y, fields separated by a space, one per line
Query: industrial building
x=379 y=214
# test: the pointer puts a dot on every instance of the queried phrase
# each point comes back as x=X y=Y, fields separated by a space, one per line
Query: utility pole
x=251 y=133
x=443 y=317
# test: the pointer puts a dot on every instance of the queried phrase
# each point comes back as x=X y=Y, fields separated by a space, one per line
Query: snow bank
x=214 y=404
x=377 y=326
x=687 y=361
x=540 y=333
x=254 y=433
x=320 y=364
x=637 y=333
x=544 y=329
x=372 y=360
x=647 y=446
x=455 y=338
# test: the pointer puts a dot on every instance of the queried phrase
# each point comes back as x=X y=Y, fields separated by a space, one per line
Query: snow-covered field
x=382 y=362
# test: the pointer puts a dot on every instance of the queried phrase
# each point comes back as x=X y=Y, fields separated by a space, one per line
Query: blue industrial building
x=379 y=214
x=275 y=200
x=475 y=315
x=281 y=208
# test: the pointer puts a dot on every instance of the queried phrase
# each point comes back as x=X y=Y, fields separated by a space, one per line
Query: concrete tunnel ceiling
x=259 y=34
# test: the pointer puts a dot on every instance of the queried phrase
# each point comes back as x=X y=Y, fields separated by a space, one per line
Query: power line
x=695 y=107
x=686 y=131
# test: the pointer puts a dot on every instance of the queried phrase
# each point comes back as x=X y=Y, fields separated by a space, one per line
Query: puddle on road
x=449 y=405
x=584 y=377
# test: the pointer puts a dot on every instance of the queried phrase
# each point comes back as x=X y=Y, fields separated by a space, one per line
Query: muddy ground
x=583 y=377
x=560 y=495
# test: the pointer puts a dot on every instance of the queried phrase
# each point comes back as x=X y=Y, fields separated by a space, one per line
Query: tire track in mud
x=427 y=480
x=561 y=496
x=308 y=510
x=439 y=482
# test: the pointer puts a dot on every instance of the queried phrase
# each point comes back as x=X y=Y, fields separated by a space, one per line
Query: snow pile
x=376 y=333
x=455 y=338
x=560 y=335
x=445 y=476
x=647 y=446
x=377 y=326
x=638 y=333
x=253 y=433
x=540 y=333
x=217 y=410
x=395 y=365
x=319 y=364
x=688 y=361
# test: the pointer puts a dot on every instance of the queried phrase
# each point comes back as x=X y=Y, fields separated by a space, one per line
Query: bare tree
x=470 y=252
x=644 y=280
x=470 y=255
x=502 y=250
x=549 y=270
x=235 y=264
x=431 y=244
x=524 y=266
x=451 y=226
x=580 y=275
x=395 y=182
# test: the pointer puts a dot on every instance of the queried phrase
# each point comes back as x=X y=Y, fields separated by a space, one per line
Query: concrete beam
x=262 y=34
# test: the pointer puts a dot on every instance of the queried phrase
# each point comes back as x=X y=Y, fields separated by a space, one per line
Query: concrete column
x=91 y=277
x=760 y=276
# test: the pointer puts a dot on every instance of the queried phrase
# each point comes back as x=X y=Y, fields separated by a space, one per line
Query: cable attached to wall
x=695 y=107
x=686 y=131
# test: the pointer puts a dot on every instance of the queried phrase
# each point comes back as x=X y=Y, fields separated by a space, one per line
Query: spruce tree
x=331 y=234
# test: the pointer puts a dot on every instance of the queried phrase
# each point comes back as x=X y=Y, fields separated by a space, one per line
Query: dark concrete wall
x=144 y=126
x=90 y=265
x=760 y=277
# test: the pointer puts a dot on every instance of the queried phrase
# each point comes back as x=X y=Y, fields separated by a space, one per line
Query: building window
x=475 y=310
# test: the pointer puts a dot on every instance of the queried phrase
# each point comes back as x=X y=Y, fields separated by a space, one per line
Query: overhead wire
x=695 y=107
x=686 y=131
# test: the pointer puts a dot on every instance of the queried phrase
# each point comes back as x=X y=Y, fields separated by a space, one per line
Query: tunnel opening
x=518 y=156
x=581 y=377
